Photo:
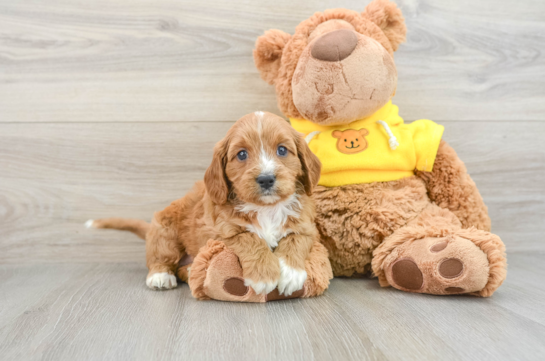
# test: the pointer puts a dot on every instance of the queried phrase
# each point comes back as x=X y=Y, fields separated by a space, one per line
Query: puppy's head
x=262 y=160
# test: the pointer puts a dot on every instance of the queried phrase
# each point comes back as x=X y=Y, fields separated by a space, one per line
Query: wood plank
x=56 y=176
x=165 y=60
x=104 y=311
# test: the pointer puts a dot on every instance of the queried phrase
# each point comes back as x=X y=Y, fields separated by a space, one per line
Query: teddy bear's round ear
x=389 y=18
x=268 y=53
x=337 y=134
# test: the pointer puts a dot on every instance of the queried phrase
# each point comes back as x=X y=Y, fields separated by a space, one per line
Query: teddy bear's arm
x=450 y=186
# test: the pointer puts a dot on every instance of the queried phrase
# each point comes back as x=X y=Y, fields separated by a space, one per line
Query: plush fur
x=271 y=231
x=373 y=226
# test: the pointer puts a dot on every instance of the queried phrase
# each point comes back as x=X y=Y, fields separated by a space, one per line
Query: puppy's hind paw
x=161 y=281
x=291 y=279
x=260 y=287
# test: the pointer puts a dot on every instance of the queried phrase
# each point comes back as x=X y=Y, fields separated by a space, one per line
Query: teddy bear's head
x=337 y=67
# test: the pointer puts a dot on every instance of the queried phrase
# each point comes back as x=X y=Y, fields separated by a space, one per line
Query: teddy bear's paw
x=161 y=281
x=291 y=279
x=447 y=265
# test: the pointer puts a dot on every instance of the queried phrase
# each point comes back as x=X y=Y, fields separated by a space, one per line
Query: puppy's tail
x=136 y=226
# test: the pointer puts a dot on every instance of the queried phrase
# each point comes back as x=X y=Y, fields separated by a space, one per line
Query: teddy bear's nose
x=335 y=45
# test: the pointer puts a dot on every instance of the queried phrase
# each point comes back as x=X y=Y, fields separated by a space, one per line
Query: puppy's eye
x=282 y=151
x=242 y=155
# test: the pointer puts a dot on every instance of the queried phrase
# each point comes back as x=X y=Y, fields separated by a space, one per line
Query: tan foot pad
x=438 y=266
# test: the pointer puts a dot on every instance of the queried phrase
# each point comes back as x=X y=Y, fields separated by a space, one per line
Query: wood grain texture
x=169 y=60
x=105 y=312
x=56 y=176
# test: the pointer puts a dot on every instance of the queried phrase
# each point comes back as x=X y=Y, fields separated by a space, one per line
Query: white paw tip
x=160 y=281
x=291 y=279
x=89 y=223
x=260 y=287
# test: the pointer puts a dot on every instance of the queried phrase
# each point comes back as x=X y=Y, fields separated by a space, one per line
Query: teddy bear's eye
x=356 y=139
x=345 y=140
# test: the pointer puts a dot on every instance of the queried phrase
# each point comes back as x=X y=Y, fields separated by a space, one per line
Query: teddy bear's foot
x=216 y=274
x=467 y=261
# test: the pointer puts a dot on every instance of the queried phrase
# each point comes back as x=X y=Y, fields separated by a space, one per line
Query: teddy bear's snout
x=335 y=45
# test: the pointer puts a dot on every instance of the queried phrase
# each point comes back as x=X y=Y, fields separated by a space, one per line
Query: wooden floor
x=111 y=108
x=104 y=311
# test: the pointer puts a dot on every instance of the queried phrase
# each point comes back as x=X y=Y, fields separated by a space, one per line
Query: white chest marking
x=271 y=219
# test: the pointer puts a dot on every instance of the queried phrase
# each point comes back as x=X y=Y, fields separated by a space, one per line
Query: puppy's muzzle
x=266 y=182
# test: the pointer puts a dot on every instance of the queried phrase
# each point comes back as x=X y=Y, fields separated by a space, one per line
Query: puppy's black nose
x=265 y=181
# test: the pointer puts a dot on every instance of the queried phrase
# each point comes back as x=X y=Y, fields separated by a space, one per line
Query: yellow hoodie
x=379 y=148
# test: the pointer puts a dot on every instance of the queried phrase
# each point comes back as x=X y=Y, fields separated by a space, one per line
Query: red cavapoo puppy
x=255 y=198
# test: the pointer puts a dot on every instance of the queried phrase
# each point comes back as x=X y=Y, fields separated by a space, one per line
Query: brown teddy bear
x=394 y=198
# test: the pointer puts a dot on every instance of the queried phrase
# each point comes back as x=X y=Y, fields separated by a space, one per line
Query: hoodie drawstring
x=393 y=140
x=311 y=135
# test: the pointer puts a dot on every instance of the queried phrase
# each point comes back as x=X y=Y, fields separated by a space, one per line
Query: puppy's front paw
x=161 y=281
x=291 y=279
x=260 y=287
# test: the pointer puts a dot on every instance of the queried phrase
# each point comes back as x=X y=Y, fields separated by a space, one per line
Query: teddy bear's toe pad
x=445 y=265
x=406 y=274
x=451 y=268
x=235 y=286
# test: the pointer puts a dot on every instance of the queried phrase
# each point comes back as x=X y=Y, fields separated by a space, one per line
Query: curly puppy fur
x=227 y=205
x=271 y=229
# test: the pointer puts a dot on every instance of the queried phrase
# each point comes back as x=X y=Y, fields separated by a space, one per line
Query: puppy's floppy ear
x=215 y=179
x=310 y=164
x=389 y=18
x=268 y=52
